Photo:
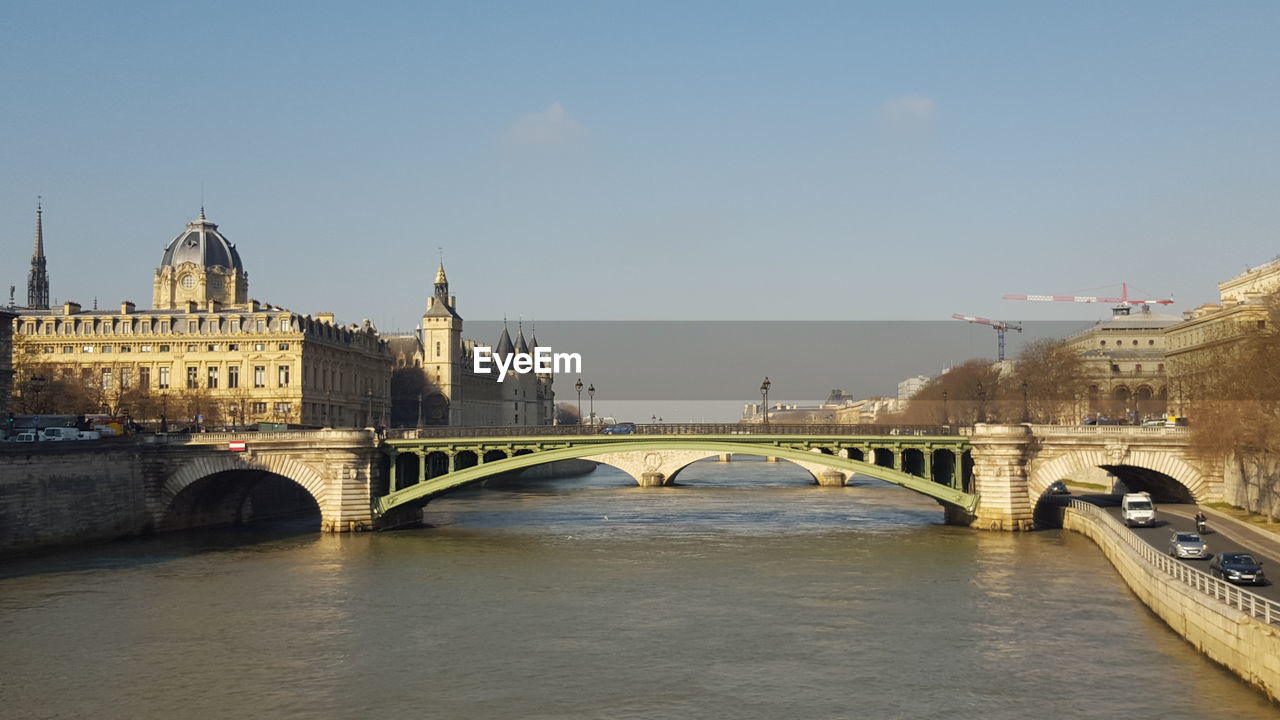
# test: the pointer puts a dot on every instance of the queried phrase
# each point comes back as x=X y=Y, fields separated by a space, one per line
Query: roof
x=202 y=244
x=505 y=346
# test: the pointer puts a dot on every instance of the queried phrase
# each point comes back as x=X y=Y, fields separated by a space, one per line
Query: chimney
x=127 y=308
x=70 y=307
x=325 y=317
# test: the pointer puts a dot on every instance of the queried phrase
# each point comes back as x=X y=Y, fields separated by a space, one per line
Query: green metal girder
x=566 y=448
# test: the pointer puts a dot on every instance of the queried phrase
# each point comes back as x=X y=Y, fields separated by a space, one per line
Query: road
x=1224 y=534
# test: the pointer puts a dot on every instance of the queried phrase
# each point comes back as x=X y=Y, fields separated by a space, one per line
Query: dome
x=202 y=244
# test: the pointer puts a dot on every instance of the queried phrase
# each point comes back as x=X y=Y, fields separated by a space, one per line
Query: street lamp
x=369 y=393
x=419 y=411
x=591 y=394
x=1026 y=407
x=764 y=398
x=982 y=403
x=578 y=386
x=164 y=412
x=946 y=416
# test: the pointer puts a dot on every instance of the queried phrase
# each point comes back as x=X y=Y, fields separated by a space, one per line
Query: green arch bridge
x=423 y=464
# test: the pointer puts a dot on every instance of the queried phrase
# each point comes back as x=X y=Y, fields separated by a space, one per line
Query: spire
x=442 y=282
x=505 y=346
x=38 y=279
x=521 y=345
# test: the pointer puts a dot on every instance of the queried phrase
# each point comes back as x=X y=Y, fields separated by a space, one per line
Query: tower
x=442 y=355
x=38 y=279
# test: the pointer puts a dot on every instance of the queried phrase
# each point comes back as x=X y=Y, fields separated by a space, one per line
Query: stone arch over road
x=1116 y=461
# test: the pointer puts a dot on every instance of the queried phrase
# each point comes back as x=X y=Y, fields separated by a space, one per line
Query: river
x=743 y=593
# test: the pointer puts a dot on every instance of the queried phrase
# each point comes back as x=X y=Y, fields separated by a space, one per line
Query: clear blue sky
x=648 y=161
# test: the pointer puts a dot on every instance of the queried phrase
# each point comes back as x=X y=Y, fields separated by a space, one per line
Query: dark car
x=625 y=428
x=1239 y=568
x=1057 y=488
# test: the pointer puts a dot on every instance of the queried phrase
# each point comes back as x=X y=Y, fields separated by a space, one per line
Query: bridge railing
x=354 y=436
x=1106 y=430
x=673 y=429
x=1255 y=605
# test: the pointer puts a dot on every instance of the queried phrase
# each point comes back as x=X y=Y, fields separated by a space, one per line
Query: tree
x=567 y=414
x=959 y=396
x=1054 y=378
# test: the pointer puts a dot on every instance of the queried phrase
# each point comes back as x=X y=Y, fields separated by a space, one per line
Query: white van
x=1138 y=510
x=68 y=433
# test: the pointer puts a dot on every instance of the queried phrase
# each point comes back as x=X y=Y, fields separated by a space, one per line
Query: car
x=1187 y=545
x=625 y=428
x=1057 y=487
x=1237 y=567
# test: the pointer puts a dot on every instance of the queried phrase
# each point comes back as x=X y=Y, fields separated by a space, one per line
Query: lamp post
x=328 y=408
x=578 y=386
x=164 y=412
x=591 y=394
x=764 y=402
x=233 y=409
x=1026 y=407
x=982 y=403
x=37 y=385
x=419 y=411
x=369 y=393
x=946 y=416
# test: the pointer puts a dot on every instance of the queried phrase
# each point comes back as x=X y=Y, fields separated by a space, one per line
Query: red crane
x=1123 y=303
x=999 y=326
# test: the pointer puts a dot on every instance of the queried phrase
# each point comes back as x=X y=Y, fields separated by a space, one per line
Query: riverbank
x=1231 y=637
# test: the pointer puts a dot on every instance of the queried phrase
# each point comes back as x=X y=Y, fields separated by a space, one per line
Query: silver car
x=1188 y=545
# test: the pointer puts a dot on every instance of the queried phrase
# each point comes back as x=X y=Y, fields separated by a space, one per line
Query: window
x=164 y=348
x=193 y=377
x=47 y=349
x=164 y=379
x=87 y=348
x=1151 y=342
x=164 y=326
x=1137 y=368
x=191 y=347
x=106 y=378
x=213 y=378
x=259 y=376
x=1160 y=367
x=68 y=349
x=286 y=325
x=1135 y=342
x=283 y=408
x=214 y=347
x=260 y=326
x=1115 y=368
x=282 y=346
x=233 y=377
x=1104 y=343
x=106 y=348
x=437 y=349
x=124 y=378
x=233 y=347
x=259 y=346
x=144 y=348
x=144 y=377
x=193 y=326
x=259 y=408
x=282 y=376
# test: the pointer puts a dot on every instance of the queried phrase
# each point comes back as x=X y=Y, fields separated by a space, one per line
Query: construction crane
x=1123 y=303
x=998 y=325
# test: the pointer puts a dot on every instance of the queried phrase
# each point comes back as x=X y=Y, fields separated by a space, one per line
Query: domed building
x=205 y=355
x=200 y=266
x=1124 y=364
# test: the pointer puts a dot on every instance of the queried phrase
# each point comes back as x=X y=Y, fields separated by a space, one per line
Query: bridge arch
x=179 y=487
x=1145 y=469
x=643 y=451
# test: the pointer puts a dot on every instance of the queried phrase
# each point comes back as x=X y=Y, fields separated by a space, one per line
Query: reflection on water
x=744 y=593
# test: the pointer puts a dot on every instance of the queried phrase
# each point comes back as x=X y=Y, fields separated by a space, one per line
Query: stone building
x=1243 y=307
x=6 y=365
x=1124 y=363
x=435 y=382
x=205 y=354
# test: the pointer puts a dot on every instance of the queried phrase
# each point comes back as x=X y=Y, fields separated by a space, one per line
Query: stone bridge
x=988 y=476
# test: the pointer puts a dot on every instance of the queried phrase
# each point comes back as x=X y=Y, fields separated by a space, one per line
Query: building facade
x=1245 y=306
x=1125 y=369
x=436 y=383
x=203 y=355
x=6 y=366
